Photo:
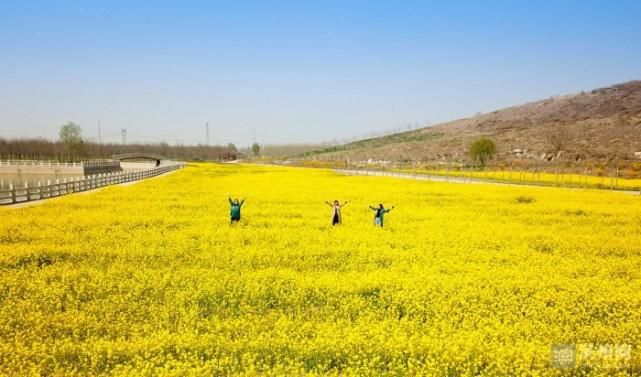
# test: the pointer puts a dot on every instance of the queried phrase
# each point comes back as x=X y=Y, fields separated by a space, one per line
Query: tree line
x=72 y=147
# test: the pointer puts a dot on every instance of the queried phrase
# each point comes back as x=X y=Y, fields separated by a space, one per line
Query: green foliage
x=71 y=137
x=525 y=199
x=71 y=134
x=482 y=150
x=370 y=144
x=256 y=149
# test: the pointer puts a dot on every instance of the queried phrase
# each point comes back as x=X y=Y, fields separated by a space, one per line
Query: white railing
x=15 y=195
x=39 y=163
x=101 y=164
x=89 y=163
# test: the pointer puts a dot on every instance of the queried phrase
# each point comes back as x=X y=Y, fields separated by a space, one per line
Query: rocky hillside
x=603 y=123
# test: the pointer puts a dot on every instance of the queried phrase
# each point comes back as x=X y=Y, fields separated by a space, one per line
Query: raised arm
x=389 y=209
x=230 y=202
x=344 y=204
x=242 y=202
x=328 y=203
x=373 y=208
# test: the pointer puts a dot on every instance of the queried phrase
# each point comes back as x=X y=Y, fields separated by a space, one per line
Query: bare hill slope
x=602 y=123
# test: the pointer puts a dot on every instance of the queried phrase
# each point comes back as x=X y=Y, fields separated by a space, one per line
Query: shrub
x=482 y=150
x=525 y=199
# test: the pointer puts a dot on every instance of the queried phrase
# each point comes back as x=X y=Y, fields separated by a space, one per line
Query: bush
x=482 y=150
x=525 y=199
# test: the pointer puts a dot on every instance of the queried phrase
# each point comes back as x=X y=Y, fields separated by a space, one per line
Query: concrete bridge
x=139 y=156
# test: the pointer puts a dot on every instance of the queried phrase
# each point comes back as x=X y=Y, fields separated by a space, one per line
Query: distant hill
x=603 y=123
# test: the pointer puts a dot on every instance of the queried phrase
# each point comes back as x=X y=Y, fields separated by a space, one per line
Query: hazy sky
x=296 y=71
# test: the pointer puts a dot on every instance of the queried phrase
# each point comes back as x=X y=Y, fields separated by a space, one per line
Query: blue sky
x=297 y=71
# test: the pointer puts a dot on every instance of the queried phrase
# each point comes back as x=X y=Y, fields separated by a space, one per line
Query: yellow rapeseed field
x=535 y=177
x=464 y=280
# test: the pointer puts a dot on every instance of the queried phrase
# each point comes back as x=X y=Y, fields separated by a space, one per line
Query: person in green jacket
x=235 y=209
x=380 y=214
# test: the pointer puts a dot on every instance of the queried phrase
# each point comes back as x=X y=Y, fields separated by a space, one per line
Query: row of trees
x=72 y=147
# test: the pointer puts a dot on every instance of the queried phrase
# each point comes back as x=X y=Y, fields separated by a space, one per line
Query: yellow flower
x=467 y=280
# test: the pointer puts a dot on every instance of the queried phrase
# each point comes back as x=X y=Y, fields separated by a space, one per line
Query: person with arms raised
x=235 y=209
x=380 y=214
x=336 y=211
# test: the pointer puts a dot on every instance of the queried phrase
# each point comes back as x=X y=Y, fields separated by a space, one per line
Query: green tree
x=232 y=147
x=71 y=137
x=482 y=150
x=255 y=149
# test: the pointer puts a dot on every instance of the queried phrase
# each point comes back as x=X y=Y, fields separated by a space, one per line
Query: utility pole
x=123 y=133
x=99 y=134
x=207 y=138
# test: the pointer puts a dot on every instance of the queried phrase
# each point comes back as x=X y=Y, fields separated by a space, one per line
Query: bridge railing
x=144 y=156
x=24 y=194
x=101 y=164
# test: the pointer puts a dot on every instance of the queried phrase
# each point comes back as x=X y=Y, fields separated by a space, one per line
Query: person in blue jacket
x=235 y=209
x=380 y=214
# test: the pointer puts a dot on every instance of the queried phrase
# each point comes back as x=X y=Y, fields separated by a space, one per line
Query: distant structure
x=123 y=133
x=139 y=156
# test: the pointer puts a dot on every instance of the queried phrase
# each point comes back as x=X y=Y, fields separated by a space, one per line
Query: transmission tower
x=207 y=137
x=99 y=134
x=123 y=133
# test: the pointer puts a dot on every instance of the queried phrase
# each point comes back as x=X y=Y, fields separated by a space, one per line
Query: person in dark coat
x=336 y=211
